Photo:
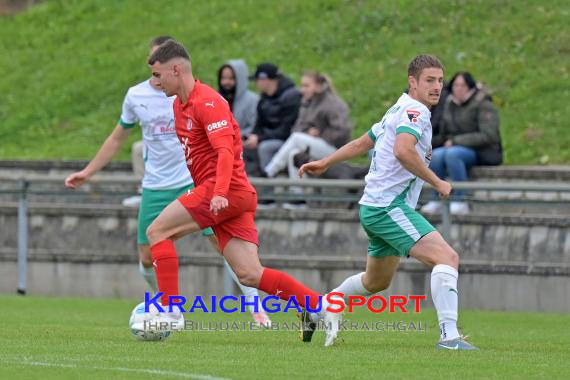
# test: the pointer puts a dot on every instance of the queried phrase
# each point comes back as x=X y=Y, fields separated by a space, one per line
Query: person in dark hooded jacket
x=468 y=135
x=277 y=111
x=232 y=85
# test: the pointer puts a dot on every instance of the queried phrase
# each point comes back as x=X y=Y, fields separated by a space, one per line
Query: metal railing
x=350 y=191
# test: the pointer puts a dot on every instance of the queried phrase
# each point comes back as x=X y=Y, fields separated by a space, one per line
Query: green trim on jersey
x=371 y=135
x=404 y=194
x=393 y=230
x=126 y=125
x=152 y=204
x=404 y=129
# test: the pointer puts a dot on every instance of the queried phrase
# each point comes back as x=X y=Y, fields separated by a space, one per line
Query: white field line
x=160 y=372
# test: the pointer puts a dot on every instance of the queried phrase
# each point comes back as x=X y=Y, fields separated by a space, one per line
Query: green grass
x=66 y=64
x=62 y=338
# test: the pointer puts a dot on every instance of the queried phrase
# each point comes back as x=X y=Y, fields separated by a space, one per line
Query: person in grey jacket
x=468 y=136
x=232 y=85
x=277 y=111
x=322 y=126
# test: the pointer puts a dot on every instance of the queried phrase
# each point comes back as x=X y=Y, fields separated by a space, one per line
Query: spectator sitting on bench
x=322 y=126
x=232 y=85
x=468 y=136
x=277 y=111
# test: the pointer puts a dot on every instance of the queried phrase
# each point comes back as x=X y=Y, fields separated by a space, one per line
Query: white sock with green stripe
x=445 y=298
x=149 y=276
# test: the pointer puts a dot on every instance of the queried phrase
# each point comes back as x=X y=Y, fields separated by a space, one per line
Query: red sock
x=282 y=285
x=165 y=264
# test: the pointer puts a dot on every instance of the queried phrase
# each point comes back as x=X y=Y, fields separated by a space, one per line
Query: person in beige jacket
x=322 y=126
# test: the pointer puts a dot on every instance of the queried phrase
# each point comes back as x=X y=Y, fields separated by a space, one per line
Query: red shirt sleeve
x=216 y=117
x=223 y=145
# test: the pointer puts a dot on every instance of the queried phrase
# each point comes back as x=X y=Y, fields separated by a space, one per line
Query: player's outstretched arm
x=106 y=152
x=353 y=149
x=405 y=151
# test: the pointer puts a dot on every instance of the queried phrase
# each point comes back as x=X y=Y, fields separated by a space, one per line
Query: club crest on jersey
x=413 y=115
x=189 y=124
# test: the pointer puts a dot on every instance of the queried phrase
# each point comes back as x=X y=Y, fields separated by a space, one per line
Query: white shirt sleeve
x=377 y=130
x=414 y=120
x=128 y=116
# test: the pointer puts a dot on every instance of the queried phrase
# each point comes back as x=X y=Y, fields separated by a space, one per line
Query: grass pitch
x=63 y=338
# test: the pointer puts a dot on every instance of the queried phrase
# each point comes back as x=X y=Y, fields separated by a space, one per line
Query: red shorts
x=236 y=221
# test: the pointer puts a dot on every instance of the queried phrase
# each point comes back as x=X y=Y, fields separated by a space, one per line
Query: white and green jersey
x=164 y=162
x=387 y=178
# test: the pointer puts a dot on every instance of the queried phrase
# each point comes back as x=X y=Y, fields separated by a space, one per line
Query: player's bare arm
x=353 y=149
x=405 y=151
x=110 y=147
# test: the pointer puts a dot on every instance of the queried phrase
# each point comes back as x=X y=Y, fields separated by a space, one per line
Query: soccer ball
x=139 y=316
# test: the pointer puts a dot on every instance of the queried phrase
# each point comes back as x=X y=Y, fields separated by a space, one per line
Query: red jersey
x=200 y=123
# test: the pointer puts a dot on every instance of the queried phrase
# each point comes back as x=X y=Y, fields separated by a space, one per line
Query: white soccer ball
x=138 y=316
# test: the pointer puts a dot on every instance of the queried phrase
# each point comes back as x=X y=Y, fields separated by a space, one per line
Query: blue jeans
x=453 y=161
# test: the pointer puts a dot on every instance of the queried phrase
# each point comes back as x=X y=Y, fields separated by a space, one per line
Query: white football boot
x=332 y=321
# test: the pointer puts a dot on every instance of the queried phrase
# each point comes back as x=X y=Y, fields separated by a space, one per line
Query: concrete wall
x=508 y=263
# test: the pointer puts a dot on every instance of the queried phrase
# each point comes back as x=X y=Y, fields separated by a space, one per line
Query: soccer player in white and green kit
x=399 y=167
x=166 y=174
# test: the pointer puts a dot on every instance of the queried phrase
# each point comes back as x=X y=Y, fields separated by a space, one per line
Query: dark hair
x=421 y=62
x=157 y=41
x=167 y=51
x=467 y=77
x=226 y=66
x=321 y=79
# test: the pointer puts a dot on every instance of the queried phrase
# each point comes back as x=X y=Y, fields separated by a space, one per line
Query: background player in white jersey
x=166 y=175
x=402 y=151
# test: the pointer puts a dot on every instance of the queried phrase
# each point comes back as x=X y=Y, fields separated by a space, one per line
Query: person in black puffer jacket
x=277 y=111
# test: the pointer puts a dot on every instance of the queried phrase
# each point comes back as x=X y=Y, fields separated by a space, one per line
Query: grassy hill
x=66 y=64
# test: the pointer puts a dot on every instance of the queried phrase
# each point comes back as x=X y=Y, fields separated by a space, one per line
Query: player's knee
x=248 y=277
x=248 y=280
x=450 y=257
x=454 y=258
x=146 y=261
x=378 y=285
x=153 y=233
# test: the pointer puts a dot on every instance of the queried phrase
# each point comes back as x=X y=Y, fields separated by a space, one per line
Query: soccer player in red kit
x=223 y=197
